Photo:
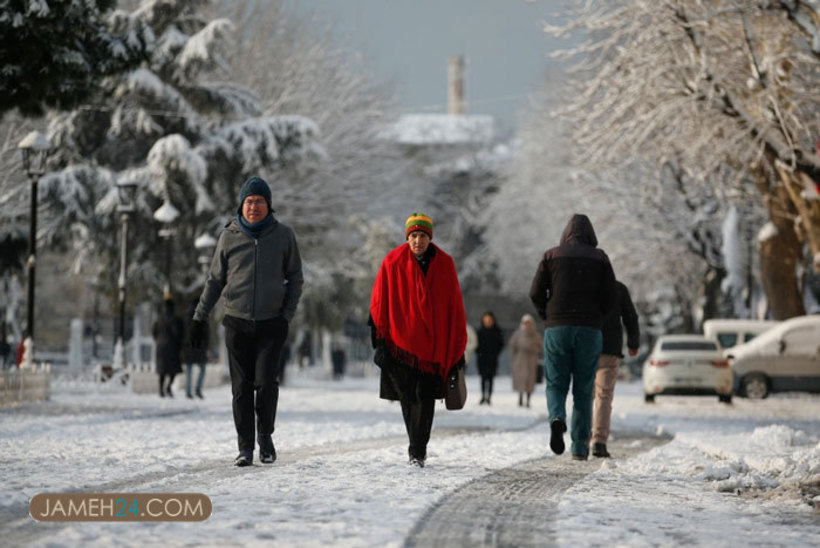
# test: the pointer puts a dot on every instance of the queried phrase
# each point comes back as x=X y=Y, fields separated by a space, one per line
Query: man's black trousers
x=253 y=358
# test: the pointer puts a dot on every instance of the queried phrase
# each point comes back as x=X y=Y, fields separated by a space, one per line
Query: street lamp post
x=127 y=193
x=167 y=214
x=35 y=148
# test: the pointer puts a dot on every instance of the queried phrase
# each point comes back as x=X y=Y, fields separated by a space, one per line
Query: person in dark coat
x=610 y=361
x=418 y=329
x=169 y=332
x=195 y=357
x=573 y=291
x=490 y=343
x=337 y=356
x=257 y=271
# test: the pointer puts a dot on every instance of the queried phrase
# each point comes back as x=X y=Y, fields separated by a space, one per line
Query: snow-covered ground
x=748 y=473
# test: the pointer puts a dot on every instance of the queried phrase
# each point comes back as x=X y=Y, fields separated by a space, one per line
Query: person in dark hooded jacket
x=168 y=331
x=573 y=290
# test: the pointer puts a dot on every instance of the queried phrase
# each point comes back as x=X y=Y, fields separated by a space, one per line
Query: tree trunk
x=799 y=186
x=780 y=253
x=778 y=260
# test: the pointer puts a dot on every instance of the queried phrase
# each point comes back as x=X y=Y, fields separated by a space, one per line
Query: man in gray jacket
x=257 y=269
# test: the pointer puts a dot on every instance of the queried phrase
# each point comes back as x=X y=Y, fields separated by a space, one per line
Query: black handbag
x=456 y=390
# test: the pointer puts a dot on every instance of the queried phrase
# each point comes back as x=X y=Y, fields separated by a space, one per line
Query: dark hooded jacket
x=574 y=284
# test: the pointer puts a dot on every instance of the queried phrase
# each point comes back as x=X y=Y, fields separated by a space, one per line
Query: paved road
x=514 y=506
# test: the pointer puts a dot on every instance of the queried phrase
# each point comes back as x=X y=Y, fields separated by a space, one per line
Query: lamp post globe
x=34 y=149
x=206 y=244
x=167 y=214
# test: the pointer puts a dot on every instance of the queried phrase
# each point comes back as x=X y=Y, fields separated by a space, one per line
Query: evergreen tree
x=54 y=54
x=177 y=131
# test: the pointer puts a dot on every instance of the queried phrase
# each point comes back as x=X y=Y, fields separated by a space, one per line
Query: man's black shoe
x=245 y=458
x=267 y=452
x=557 y=429
x=415 y=461
x=580 y=457
x=599 y=450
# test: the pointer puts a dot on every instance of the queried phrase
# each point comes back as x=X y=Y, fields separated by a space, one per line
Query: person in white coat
x=526 y=356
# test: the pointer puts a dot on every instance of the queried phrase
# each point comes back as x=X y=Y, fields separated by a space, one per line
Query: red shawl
x=420 y=317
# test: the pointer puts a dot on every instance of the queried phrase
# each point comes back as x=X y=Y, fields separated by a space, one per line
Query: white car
x=730 y=333
x=687 y=365
x=784 y=358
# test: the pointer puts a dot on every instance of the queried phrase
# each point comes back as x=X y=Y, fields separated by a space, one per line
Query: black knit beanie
x=254 y=186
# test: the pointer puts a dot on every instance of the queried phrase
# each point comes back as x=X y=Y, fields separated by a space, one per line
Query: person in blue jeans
x=573 y=290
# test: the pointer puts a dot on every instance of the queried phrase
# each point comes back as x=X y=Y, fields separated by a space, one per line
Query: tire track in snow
x=515 y=506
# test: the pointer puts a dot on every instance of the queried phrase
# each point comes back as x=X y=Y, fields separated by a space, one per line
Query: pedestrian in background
x=339 y=360
x=417 y=329
x=195 y=358
x=573 y=290
x=168 y=331
x=526 y=351
x=257 y=269
x=490 y=343
x=609 y=363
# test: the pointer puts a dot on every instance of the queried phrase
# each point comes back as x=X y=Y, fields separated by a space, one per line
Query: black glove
x=199 y=334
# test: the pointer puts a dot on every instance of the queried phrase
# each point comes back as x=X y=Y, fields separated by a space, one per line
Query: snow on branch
x=273 y=139
x=173 y=158
x=201 y=49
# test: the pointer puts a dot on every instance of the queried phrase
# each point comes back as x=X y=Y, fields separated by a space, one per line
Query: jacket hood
x=579 y=229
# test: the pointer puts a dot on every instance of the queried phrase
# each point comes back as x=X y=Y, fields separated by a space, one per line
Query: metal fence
x=25 y=385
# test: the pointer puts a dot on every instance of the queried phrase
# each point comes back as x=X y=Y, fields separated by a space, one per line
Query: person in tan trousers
x=610 y=362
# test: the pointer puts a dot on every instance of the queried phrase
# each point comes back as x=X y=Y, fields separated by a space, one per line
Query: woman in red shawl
x=418 y=329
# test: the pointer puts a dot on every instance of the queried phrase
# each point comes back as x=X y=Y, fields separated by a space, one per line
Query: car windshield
x=688 y=345
x=727 y=340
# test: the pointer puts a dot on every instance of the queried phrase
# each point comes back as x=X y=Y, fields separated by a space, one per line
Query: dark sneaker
x=580 y=457
x=267 y=452
x=599 y=450
x=245 y=458
x=557 y=429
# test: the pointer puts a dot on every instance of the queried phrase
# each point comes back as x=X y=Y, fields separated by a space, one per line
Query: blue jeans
x=188 y=371
x=572 y=355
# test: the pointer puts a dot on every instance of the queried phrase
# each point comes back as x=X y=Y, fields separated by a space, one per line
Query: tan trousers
x=604 y=390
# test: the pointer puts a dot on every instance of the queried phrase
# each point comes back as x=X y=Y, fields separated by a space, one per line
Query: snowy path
x=744 y=474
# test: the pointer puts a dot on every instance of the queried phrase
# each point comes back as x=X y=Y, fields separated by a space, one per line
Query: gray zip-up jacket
x=259 y=278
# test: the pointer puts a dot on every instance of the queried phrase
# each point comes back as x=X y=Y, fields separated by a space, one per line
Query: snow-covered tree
x=713 y=88
x=179 y=128
x=53 y=54
x=297 y=67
